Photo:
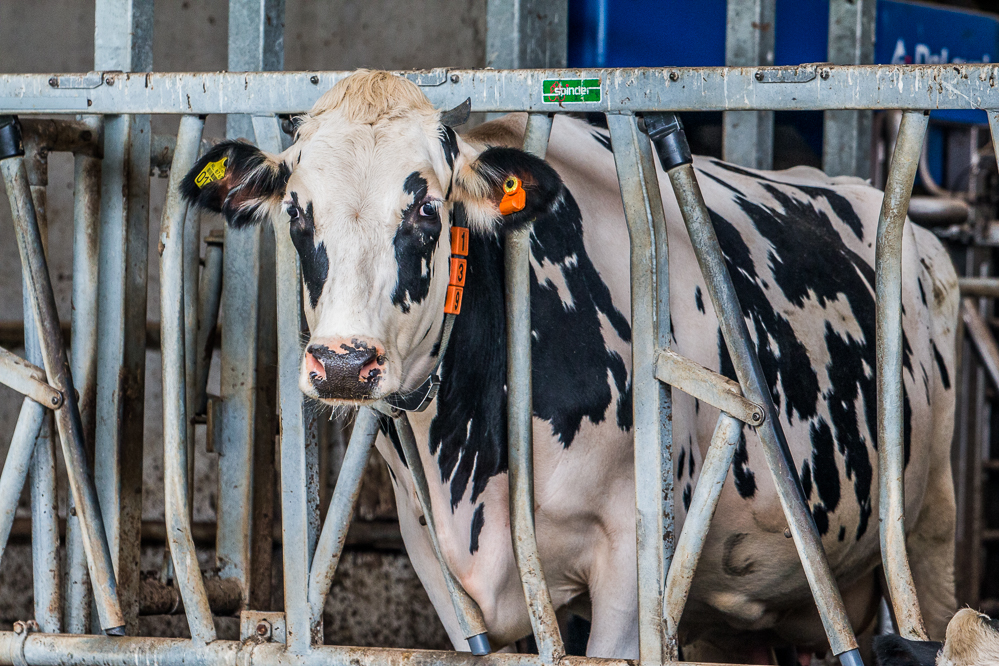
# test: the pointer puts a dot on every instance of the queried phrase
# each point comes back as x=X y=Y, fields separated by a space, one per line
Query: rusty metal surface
x=158 y=598
x=888 y=292
x=14 y=472
x=520 y=421
x=58 y=372
x=707 y=386
x=27 y=379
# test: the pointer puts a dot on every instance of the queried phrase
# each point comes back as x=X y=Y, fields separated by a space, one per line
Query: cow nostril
x=315 y=367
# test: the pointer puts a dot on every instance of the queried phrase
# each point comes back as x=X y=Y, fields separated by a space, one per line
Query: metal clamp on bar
x=747 y=366
x=671 y=142
x=707 y=386
x=27 y=379
x=11 y=141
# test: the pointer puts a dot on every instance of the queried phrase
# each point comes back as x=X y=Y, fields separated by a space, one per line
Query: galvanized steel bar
x=520 y=419
x=122 y=42
x=339 y=515
x=298 y=491
x=58 y=373
x=775 y=449
x=981 y=336
x=192 y=261
x=804 y=87
x=707 y=386
x=888 y=291
x=710 y=482
x=56 y=650
x=652 y=402
x=27 y=378
x=748 y=136
x=979 y=286
x=86 y=220
x=527 y=34
x=187 y=572
x=15 y=468
x=846 y=144
x=473 y=627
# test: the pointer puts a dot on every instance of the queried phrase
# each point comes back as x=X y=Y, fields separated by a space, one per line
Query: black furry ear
x=505 y=188
x=239 y=180
x=893 y=650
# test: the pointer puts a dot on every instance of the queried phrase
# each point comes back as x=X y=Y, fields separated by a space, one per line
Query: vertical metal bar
x=299 y=487
x=846 y=147
x=775 y=449
x=473 y=627
x=256 y=43
x=339 y=515
x=209 y=294
x=192 y=260
x=520 y=420
x=187 y=572
x=888 y=291
x=123 y=42
x=86 y=219
x=68 y=417
x=643 y=209
x=709 y=486
x=748 y=136
x=527 y=34
x=46 y=569
x=15 y=468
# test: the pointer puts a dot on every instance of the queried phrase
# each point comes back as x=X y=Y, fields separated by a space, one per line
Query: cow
x=369 y=192
x=972 y=640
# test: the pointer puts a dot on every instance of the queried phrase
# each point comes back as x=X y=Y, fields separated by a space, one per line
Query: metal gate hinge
x=22 y=629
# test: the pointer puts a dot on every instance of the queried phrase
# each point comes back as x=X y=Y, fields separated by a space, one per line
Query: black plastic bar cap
x=11 y=144
x=666 y=132
x=479 y=645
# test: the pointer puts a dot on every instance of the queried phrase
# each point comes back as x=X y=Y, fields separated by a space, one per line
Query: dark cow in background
x=369 y=192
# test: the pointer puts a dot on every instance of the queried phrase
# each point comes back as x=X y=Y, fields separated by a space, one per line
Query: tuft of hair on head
x=368 y=96
x=972 y=638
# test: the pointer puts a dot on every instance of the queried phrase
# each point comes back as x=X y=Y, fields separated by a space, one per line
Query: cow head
x=368 y=193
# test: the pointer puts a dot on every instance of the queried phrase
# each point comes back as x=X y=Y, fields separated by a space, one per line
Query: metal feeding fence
x=639 y=106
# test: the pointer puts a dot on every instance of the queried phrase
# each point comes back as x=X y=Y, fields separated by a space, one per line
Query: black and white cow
x=369 y=191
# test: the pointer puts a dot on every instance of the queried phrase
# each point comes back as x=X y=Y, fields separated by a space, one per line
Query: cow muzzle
x=344 y=369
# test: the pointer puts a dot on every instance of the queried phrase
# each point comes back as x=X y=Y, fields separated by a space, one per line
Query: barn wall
x=377 y=599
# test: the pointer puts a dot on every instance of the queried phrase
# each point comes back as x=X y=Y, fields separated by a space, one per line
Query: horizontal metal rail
x=915 y=87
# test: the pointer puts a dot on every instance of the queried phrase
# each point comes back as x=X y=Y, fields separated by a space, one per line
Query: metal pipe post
x=339 y=515
x=520 y=419
x=192 y=261
x=15 y=468
x=747 y=367
x=653 y=411
x=209 y=294
x=68 y=417
x=748 y=136
x=709 y=486
x=122 y=43
x=187 y=572
x=473 y=627
x=299 y=490
x=86 y=219
x=888 y=291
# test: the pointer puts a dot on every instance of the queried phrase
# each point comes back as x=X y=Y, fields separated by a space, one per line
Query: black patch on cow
x=926 y=382
x=825 y=473
x=727 y=186
x=468 y=434
x=387 y=426
x=806 y=480
x=687 y=493
x=681 y=463
x=745 y=479
x=697 y=406
x=603 y=139
x=415 y=242
x=449 y=143
x=941 y=366
x=314 y=259
x=821 y=518
x=893 y=650
x=690 y=463
x=922 y=294
x=842 y=533
x=478 y=520
x=698 y=299
x=840 y=204
x=729 y=563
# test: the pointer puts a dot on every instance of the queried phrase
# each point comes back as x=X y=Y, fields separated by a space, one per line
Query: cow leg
x=930 y=546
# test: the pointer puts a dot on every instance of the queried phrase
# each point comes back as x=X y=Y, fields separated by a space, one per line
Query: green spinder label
x=562 y=91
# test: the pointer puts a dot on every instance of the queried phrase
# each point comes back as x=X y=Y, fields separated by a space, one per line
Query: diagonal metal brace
x=707 y=386
x=28 y=379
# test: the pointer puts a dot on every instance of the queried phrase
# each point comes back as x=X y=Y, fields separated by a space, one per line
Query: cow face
x=368 y=193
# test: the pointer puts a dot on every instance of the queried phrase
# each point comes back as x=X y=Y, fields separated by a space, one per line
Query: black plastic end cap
x=666 y=132
x=479 y=645
x=115 y=631
x=11 y=144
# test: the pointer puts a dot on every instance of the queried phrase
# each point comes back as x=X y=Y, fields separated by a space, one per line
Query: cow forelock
x=370 y=222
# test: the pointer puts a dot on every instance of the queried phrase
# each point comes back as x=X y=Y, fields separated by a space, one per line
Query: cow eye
x=428 y=210
x=293 y=213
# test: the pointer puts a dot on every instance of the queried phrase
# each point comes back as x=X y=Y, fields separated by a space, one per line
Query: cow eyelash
x=430 y=209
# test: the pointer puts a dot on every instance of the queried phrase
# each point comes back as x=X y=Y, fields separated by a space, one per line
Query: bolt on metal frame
x=664 y=576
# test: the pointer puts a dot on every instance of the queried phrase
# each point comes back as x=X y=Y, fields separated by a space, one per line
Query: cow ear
x=504 y=188
x=239 y=180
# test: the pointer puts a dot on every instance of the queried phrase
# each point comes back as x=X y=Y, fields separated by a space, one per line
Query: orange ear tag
x=514 y=197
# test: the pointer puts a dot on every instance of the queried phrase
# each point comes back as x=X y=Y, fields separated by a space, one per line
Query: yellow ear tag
x=514 y=196
x=213 y=171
